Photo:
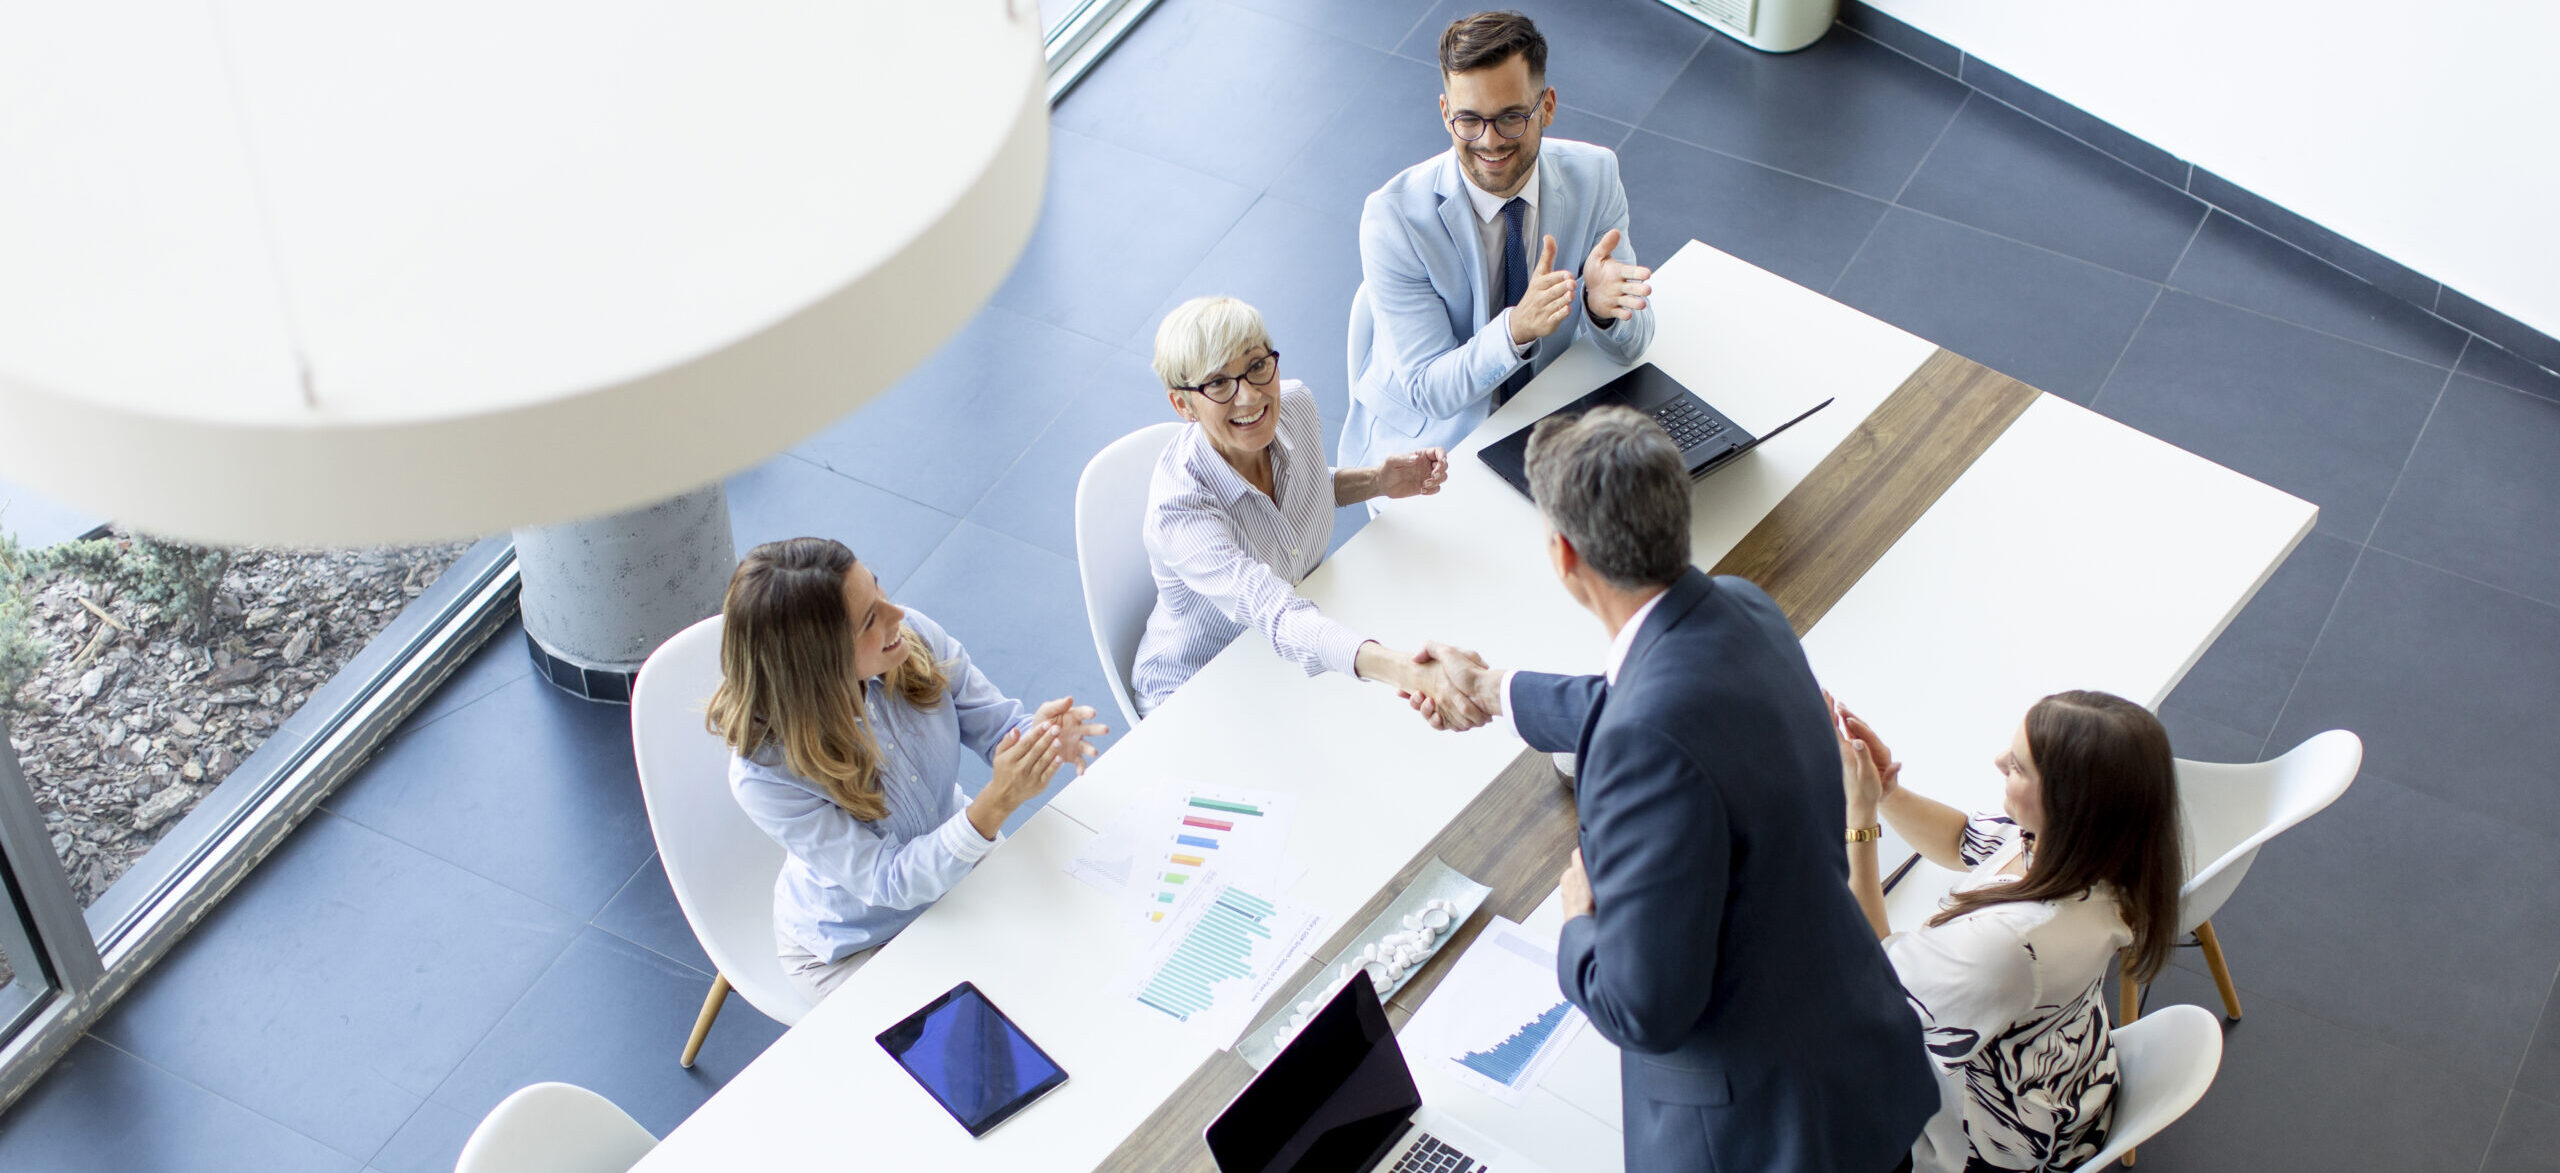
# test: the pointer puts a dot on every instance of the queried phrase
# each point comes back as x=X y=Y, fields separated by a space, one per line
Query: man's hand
x=1468 y=675
x=1576 y=886
x=1547 y=301
x=1614 y=289
x=1414 y=473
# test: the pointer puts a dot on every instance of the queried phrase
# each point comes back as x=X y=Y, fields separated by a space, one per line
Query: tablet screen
x=980 y=1066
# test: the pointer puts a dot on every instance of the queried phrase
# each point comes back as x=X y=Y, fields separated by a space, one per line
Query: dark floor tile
x=1036 y=499
x=2099 y=133
x=790 y=497
x=1117 y=229
x=2450 y=684
x=646 y=914
x=1223 y=90
x=1379 y=24
x=2501 y=329
x=2003 y=172
x=530 y=787
x=2298 y=1092
x=2203 y=739
x=946 y=431
x=101 y=1110
x=1610 y=57
x=2481 y=495
x=1296 y=265
x=2244 y=678
x=2233 y=262
x=2539 y=1077
x=2037 y=316
x=2485 y=361
x=1800 y=230
x=611 y=1017
x=37 y=521
x=430 y=1142
x=1900 y=37
x=340 y=983
x=496 y=664
x=2315 y=416
x=1846 y=111
x=1391 y=122
x=2293 y=228
x=2528 y=1139
x=2340 y=918
x=1019 y=610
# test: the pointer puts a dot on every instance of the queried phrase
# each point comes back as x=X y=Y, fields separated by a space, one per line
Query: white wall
x=2428 y=132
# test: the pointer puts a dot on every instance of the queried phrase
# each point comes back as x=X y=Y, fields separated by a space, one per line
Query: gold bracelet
x=1866 y=834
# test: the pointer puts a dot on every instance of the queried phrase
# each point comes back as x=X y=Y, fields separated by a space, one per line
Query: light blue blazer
x=1422 y=370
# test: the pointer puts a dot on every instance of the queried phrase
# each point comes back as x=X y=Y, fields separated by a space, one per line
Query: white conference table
x=2074 y=553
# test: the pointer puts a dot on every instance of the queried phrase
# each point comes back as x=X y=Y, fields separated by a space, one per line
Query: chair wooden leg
x=702 y=1023
x=2129 y=1003
x=2221 y=972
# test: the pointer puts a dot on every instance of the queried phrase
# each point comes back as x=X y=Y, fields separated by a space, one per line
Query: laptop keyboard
x=1688 y=421
x=1431 y=1156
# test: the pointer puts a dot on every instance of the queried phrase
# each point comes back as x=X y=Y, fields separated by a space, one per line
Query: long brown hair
x=787 y=676
x=2110 y=792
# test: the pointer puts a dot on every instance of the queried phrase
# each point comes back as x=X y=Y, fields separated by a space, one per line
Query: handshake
x=1453 y=688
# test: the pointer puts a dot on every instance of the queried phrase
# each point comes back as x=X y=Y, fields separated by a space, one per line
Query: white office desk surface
x=1468 y=566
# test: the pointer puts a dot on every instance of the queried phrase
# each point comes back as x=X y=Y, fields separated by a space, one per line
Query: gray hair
x=1612 y=482
x=1202 y=335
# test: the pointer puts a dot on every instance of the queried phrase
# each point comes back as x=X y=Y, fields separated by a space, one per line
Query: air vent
x=1733 y=16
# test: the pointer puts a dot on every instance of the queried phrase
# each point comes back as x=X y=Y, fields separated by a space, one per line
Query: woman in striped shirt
x=1241 y=508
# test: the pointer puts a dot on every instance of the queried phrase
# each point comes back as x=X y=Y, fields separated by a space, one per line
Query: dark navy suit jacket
x=1760 y=1026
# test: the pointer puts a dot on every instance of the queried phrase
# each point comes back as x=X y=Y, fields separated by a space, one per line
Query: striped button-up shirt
x=848 y=884
x=1226 y=558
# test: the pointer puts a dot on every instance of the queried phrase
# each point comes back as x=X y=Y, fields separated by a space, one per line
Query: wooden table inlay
x=1518 y=833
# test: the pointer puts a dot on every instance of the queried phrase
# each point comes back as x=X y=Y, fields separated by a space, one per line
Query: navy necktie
x=1515 y=281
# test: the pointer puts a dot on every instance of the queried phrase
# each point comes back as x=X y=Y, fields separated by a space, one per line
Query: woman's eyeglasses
x=1222 y=388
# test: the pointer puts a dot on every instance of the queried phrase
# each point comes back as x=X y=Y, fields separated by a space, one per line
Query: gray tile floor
x=480 y=908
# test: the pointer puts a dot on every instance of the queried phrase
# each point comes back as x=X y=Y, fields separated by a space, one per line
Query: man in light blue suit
x=1461 y=302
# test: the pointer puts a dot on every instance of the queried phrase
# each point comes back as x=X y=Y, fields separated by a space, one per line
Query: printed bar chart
x=1219 y=948
x=1509 y=1059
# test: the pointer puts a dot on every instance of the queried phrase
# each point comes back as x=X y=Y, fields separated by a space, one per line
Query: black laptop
x=1708 y=440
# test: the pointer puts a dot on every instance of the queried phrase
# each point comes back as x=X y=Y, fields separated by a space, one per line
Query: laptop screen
x=1331 y=1100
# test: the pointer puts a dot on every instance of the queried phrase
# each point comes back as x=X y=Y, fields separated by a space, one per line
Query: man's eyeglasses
x=1508 y=124
x=1222 y=388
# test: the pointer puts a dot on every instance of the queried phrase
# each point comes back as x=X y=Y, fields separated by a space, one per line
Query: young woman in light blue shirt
x=845 y=715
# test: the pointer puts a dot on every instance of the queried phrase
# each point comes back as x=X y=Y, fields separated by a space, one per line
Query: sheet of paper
x=1223 y=951
x=1497 y=1022
x=1161 y=846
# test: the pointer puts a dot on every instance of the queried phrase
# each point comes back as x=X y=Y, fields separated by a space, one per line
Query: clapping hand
x=1072 y=722
x=1472 y=691
x=1867 y=770
x=1613 y=288
x=1414 y=473
x=1545 y=304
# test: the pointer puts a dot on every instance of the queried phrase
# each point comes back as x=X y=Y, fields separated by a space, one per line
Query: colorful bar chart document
x=1222 y=953
x=1162 y=846
x=1497 y=1022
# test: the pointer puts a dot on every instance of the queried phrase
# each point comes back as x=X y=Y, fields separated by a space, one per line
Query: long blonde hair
x=787 y=677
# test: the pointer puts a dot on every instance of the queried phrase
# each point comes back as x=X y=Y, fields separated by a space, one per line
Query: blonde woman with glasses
x=1240 y=508
x=845 y=715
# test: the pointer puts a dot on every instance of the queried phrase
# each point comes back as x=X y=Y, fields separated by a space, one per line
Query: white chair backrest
x=721 y=864
x=1111 y=553
x=2230 y=811
x=555 y=1128
x=1362 y=338
x=2164 y=1062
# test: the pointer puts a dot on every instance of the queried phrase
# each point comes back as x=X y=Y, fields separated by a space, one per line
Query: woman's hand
x=1025 y=760
x=1413 y=474
x=1074 y=730
x=1861 y=779
x=1855 y=728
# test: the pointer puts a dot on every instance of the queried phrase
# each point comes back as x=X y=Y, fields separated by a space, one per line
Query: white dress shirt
x=1227 y=558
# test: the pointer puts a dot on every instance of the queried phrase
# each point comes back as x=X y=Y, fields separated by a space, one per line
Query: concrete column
x=600 y=595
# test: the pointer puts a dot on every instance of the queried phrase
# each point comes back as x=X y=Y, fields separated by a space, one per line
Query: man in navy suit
x=1461 y=299
x=1710 y=934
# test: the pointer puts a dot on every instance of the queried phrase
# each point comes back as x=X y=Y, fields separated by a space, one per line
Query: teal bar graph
x=1218 y=948
x=1508 y=1059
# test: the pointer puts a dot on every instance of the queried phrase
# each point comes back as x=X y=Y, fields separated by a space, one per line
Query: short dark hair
x=1612 y=482
x=1488 y=39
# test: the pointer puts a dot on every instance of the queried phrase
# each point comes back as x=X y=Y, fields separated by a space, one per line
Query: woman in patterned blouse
x=2010 y=977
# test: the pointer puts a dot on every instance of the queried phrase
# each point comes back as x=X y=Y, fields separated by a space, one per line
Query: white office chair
x=721 y=865
x=1111 y=556
x=555 y=1128
x=1360 y=338
x=2164 y=1063
x=2229 y=812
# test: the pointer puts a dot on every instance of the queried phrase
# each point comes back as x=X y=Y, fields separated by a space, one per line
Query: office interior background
x=2312 y=245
